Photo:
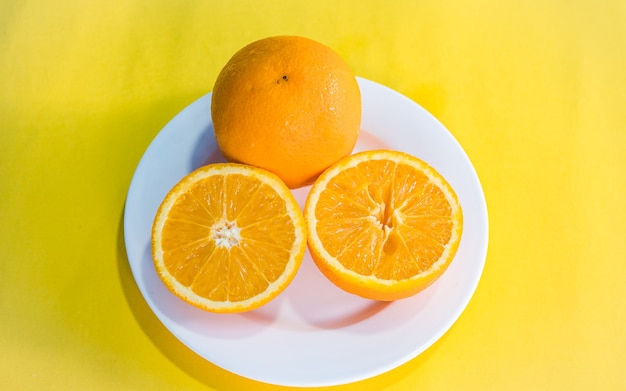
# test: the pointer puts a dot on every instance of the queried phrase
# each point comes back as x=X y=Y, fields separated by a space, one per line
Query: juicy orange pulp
x=228 y=238
x=383 y=224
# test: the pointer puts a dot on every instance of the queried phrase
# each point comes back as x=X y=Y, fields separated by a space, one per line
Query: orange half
x=228 y=238
x=383 y=224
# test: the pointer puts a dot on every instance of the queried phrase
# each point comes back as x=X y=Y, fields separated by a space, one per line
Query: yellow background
x=535 y=92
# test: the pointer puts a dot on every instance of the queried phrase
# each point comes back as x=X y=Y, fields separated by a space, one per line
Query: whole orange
x=288 y=104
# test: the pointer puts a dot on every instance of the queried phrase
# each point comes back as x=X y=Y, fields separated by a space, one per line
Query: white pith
x=226 y=233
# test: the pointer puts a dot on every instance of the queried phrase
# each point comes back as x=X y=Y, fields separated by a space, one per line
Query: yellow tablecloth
x=535 y=92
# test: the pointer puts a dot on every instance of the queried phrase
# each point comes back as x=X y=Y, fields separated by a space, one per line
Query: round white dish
x=313 y=334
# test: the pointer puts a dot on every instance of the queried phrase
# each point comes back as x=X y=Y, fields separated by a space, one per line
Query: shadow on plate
x=206 y=150
x=312 y=302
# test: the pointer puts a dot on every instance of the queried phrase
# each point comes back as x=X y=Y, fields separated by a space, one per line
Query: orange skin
x=289 y=105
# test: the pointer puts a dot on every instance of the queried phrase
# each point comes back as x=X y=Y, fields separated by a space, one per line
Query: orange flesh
x=370 y=219
x=227 y=251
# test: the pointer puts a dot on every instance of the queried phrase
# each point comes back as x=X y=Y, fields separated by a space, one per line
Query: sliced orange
x=228 y=238
x=382 y=224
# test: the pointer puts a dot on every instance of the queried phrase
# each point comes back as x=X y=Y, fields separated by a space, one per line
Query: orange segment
x=383 y=224
x=228 y=238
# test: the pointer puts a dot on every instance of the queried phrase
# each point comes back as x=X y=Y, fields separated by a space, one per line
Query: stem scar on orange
x=382 y=224
x=228 y=238
x=287 y=104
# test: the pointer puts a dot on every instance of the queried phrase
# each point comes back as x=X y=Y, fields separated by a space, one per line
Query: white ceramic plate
x=313 y=334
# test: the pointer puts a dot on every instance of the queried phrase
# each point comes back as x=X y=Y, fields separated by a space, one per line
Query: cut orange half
x=382 y=224
x=228 y=238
